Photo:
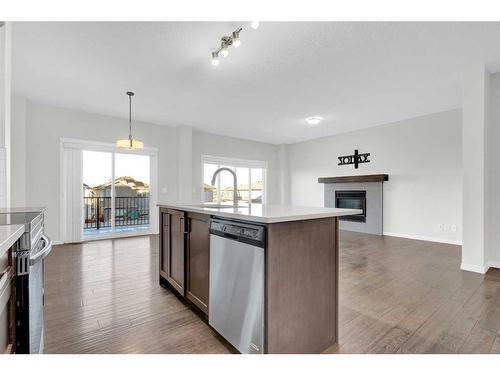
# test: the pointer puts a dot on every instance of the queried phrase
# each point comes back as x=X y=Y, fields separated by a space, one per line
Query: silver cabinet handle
x=42 y=253
x=182 y=223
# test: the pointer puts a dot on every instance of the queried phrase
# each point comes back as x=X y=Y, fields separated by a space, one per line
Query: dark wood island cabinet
x=300 y=270
x=184 y=254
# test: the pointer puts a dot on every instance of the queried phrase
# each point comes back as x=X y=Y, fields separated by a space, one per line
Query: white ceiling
x=355 y=75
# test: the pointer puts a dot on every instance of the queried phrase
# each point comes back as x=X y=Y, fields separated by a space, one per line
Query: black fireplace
x=352 y=199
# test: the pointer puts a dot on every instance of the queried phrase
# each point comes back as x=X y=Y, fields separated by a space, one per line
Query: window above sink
x=251 y=180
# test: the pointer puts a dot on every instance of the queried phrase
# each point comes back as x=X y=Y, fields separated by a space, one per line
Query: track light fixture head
x=225 y=43
x=236 y=38
x=215 y=58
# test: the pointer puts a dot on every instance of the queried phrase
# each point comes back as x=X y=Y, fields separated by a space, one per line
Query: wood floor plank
x=396 y=295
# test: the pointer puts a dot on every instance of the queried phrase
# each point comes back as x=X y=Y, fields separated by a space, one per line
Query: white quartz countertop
x=9 y=234
x=262 y=213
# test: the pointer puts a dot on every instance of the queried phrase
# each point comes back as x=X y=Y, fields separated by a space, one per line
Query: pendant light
x=130 y=143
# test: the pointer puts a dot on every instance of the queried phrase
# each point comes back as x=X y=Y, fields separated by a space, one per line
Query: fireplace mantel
x=347 y=179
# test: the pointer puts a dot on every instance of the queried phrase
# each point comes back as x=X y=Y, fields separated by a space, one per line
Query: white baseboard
x=424 y=238
x=108 y=236
x=493 y=264
x=474 y=268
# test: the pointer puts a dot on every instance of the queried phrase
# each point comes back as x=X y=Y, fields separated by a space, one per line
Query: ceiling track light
x=226 y=42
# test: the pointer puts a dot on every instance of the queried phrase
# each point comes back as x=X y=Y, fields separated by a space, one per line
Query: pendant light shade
x=130 y=143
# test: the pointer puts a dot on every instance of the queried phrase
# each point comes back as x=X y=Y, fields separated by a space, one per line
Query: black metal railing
x=128 y=211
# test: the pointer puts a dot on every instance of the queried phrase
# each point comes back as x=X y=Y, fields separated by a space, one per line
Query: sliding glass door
x=116 y=192
x=132 y=191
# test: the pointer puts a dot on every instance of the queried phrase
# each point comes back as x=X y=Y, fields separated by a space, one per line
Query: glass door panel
x=97 y=186
x=132 y=192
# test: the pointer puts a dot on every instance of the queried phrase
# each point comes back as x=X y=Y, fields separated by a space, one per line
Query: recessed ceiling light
x=314 y=120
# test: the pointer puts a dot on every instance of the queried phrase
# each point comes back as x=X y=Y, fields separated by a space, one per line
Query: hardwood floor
x=104 y=297
x=396 y=296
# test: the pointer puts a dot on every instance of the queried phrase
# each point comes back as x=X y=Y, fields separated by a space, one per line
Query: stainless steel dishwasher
x=236 y=307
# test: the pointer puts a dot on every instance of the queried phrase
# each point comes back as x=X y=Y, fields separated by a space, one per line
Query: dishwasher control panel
x=244 y=232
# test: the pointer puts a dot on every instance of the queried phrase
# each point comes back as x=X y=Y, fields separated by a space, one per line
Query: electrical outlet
x=440 y=226
x=447 y=227
x=164 y=190
x=454 y=228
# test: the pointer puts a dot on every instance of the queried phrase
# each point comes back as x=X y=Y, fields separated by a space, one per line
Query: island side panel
x=302 y=286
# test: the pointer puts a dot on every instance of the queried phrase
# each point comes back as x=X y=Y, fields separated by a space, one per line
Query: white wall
x=493 y=171
x=18 y=154
x=45 y=125
x=216 y=145
x=475 y=98
x=39 y=127
x=423 y=157
x=425 y=171
x=5 y=113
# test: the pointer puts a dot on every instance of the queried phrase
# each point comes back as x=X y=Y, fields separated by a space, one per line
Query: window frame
x=234 y=163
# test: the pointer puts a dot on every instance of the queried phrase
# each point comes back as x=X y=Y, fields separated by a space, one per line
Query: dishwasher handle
x=231 y=236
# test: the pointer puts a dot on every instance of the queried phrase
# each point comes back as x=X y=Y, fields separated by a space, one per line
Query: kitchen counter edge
x=268 y=218
x=9 y=234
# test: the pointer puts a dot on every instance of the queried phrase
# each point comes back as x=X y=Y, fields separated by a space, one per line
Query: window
x=251 y=178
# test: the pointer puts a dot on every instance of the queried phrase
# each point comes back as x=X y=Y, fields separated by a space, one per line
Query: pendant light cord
x=130 y=116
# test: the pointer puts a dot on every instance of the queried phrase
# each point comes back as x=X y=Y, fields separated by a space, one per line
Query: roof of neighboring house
x=207 y=187
x=124 y=181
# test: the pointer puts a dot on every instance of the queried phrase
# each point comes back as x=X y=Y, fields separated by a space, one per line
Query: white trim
x=493 y=264
x=116 y=235
x=424 y=238
x=103 y=146
x=113 y=193
x=8 y=113
x=62 y=194
x=109 y=236
x=474 y=268
x=234 y=162
x=82 y=144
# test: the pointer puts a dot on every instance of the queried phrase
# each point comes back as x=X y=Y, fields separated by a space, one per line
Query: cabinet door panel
x=173 y=249
x=164 y=240
x=198 y=261
x=176 y=266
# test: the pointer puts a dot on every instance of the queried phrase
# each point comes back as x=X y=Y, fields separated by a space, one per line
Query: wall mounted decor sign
x=355 y=159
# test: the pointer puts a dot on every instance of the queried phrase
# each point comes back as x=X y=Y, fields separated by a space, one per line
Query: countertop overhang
x=262 y=213
x=9 y=234
x=347 y=179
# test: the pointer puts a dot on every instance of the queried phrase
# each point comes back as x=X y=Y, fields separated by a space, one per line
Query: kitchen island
x=298 y=248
